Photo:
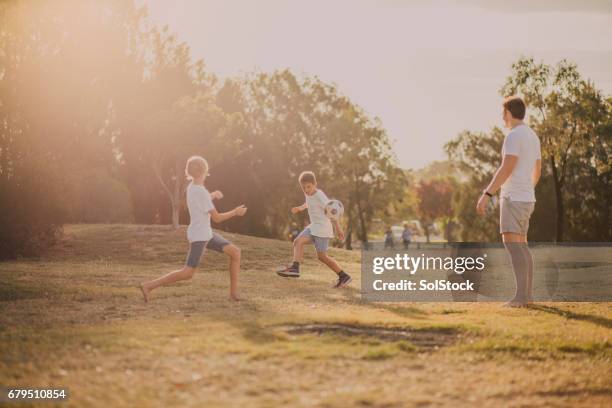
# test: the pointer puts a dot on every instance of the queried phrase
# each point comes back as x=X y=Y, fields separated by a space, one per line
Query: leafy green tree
x=95 y=196
x=60 y=63
x=476 y=155
x=363 y=171
x=156 y=115
x=297 y=124
x=571 y=118
x=435 y=201
x=194 y=125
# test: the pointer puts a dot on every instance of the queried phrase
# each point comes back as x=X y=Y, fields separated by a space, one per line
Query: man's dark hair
x=307 y=177
x=516 y=107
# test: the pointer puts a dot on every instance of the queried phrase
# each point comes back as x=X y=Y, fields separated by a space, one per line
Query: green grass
x=75 y=318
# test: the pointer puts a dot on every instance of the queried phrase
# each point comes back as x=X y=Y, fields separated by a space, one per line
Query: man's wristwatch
x=487 y=193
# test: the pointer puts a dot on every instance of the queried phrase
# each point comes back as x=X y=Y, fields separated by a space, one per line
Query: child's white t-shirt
x=524 y=143
x=320 y=225
x=199 y=204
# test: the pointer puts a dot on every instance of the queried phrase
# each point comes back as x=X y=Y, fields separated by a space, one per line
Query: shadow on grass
x=309 y=290
x=11 y=291
x=575 y=393
x=598 y=320
x=407 y=311
x=412 y=312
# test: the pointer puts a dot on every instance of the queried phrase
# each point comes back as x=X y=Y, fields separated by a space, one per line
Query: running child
x=319 y=232
x=200 y=233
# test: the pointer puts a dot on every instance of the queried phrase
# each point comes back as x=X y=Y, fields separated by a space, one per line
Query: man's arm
x=502 y=174
x=537 y=172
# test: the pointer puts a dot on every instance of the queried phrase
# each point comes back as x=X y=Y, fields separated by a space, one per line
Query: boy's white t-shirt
x=521 y=141
x=199 y=204
x=320 y=225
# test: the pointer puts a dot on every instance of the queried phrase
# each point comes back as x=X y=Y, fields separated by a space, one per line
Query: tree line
x=100 y=110
x=573 y=120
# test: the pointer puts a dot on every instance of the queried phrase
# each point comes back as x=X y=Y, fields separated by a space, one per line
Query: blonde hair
x=196 y=167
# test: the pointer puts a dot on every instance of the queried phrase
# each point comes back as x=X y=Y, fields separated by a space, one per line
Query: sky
x=427 y=69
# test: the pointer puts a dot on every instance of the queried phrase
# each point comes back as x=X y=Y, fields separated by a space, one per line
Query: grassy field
x=76 y=319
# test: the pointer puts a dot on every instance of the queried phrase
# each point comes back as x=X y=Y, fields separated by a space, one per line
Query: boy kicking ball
x=200 y=233
x=320 y=230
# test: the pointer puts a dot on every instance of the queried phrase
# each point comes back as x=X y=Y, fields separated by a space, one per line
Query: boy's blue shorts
x=320 y=243
x=196 y=248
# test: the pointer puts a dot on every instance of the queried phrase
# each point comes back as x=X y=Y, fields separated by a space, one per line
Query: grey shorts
x=320 y=243
x=514 y=216
x=196 y=249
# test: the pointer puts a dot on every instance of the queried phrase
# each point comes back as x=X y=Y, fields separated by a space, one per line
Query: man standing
x=517 y=177
x=406 y=236
x=389 y=242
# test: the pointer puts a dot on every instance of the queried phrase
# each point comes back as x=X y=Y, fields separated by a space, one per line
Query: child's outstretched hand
x=216 y=195
x=240 y=210
x=341 y=235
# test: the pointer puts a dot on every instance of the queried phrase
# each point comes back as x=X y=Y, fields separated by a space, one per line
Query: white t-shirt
x=320 y=225
x=521 y=141
x=199 y=204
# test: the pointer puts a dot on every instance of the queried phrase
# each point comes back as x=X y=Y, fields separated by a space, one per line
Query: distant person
x=517 y=177
x=200 y=233
x=449 y=231
x=319 y=232
x=406 y=236
x=389 y=242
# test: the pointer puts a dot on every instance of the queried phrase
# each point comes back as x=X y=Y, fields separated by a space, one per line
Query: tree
x=476 y=155
x=572 y=120
x=363 y=171
x=298 y=124
x=301 y=123
x=435 y=201
x=194 y=125
x=569 y=113
x=60 y=63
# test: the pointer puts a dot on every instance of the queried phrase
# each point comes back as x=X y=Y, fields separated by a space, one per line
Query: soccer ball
x=334 y=209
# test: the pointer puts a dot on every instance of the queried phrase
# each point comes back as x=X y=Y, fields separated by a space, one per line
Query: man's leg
x=530 y=267
x=516 y=245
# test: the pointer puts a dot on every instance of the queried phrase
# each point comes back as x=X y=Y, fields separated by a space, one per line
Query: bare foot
x=145 y=292
x=235 y=298
x=515 y=303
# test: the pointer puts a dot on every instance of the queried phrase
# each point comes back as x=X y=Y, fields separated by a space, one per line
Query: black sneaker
x=288 y=272
x=343 y=280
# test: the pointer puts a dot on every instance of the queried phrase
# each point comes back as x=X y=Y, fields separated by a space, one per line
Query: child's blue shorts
x=196 y=248
x=320 y=243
